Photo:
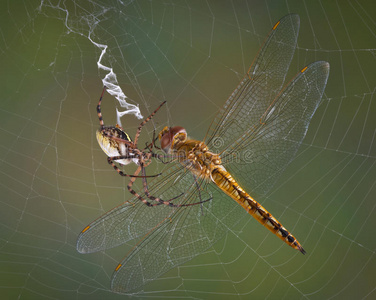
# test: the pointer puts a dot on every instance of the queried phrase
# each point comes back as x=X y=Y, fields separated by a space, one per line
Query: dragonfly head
x=170 y=136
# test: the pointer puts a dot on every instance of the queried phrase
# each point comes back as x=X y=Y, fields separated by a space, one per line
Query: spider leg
x=163 y=158
x=159 y=201
x=99 y=109
x=169 y=202
x=144 y=122
x=111 y=160
x=144 y=180
x=118 y=139
x=146 y=190
x=133 y=192
x=150 y=146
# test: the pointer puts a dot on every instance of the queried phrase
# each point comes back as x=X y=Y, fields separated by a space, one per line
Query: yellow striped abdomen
x=227 y=184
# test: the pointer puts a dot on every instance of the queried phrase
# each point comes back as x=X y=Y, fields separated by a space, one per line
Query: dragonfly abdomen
x=227 y=184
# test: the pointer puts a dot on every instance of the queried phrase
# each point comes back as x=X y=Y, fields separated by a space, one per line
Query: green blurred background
x=55 y=179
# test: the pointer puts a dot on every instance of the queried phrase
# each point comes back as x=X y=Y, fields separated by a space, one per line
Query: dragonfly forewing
x=258 y=157
x=258 y=89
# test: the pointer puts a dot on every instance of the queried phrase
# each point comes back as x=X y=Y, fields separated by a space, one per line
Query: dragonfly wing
x=109 y=230
x=133 y=218
x=170 y=235
x=267 y=148
x=188 y=232
x=258 y=89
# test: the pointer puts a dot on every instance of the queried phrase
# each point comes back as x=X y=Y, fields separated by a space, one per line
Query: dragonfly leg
x=157 y=201
x=151 y=145
x=133 y=192
x=169 y=202
x=151 y=197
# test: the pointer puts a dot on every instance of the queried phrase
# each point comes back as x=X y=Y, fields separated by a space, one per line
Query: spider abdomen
x=113 y=142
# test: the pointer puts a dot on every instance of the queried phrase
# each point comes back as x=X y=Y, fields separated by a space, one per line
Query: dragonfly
x=249 y=143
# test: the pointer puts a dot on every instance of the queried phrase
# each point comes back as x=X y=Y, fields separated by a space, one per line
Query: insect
x=120 y=148
x=250 y=142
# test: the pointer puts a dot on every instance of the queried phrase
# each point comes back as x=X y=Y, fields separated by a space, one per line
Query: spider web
x=55 y=178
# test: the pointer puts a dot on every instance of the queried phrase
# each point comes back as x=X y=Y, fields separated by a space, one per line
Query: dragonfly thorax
x=202 y=161
x=193 y=154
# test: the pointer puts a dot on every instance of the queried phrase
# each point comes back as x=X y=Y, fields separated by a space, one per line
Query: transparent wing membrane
x=260 y=126
x=258 y=89
x=133 y=218
x=169 y=236
x=258 y=157
x=186 y=233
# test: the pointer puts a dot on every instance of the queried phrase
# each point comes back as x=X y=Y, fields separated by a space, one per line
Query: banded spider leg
x=120 y=148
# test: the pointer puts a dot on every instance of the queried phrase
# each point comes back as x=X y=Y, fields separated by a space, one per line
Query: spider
x=120 y=148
